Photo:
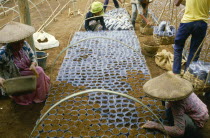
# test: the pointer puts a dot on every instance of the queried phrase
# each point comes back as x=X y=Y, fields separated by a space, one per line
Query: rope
x=176 y=24
x=84 y=14
x=97 y=90
x=205 y=57
x=172 y=12
x=162 y=11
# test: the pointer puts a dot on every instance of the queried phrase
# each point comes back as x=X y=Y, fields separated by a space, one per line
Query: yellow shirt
x=196 y=10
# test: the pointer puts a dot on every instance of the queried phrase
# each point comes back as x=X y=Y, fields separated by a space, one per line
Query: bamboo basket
x=144 y=28
x=20 y=85
x=200 y=86
x=164 y=40
x=150 y=50
x=147 y=30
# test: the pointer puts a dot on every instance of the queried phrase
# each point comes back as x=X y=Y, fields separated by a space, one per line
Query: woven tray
x=20 y=85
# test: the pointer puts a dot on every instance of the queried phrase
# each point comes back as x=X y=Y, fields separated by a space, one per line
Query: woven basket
x=163 y=40
x=150 y=50
x=20 y=85
x=199 y=85
x=148 y=30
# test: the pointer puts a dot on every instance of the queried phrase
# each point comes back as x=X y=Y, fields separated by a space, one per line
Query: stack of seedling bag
x=164 y=34
x=118 y=19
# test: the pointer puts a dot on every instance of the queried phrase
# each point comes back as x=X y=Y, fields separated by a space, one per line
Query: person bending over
x=93 y=23
x=136 y=7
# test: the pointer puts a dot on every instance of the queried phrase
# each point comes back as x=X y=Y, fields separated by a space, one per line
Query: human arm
x=30 y=52
x=2 y=54
x=178 y=2
x=32 y=58
x=145 y=19
x=103 y=23
x=1 y=82
x=173 y=131
x=179 y=123
x=145 y=13
x=120 y=1
x=33 y=68
x=87 y=27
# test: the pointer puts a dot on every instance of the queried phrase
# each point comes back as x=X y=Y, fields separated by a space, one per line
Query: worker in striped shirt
x=136 y=4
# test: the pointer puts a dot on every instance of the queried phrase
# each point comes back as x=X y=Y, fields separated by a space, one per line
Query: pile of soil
x=42 y=41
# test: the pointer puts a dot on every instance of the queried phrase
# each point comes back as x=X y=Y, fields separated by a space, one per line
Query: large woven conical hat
x=168 y=87
x=15 y=31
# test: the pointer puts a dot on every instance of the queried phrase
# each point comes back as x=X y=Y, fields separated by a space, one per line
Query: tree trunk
x=25 y=18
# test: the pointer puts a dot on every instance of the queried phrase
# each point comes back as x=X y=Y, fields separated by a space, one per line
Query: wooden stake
x=25 y=18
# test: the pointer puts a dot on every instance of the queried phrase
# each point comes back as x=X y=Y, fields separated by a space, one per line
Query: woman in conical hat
x=18 y=59
x=186 y=112
x=91 y=23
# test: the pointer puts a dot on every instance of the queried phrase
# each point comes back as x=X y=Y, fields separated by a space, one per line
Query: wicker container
x=165 y=39
x=200 y=86
x=150 y=49
x=147 y=30
x=20 y=85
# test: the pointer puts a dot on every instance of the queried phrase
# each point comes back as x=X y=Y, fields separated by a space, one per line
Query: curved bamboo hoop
x=97 y=90
x=88 y=7
x=37 y=10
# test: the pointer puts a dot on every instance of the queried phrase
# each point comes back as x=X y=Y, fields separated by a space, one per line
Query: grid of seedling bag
x=101 y=63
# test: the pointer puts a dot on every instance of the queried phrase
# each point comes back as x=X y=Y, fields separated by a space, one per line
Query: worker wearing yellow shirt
x=194 y=22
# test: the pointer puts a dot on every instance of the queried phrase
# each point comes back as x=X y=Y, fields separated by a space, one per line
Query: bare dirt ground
x=17 y=121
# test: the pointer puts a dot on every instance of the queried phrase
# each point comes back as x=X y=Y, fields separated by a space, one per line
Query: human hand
x=150 y=24
x=1 y=82
x=150 y=125
x=33 y=68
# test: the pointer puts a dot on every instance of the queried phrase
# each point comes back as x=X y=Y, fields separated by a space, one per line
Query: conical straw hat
x=15 y=31
x=168 y=87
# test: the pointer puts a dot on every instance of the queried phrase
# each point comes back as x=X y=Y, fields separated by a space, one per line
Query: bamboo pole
x=25 y=18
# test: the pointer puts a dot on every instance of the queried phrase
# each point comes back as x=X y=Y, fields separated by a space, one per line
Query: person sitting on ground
x=116 y=4
x=136 y=7
x=92 y=24
x=194 y=23
x=18 y=59
x=186 y=112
